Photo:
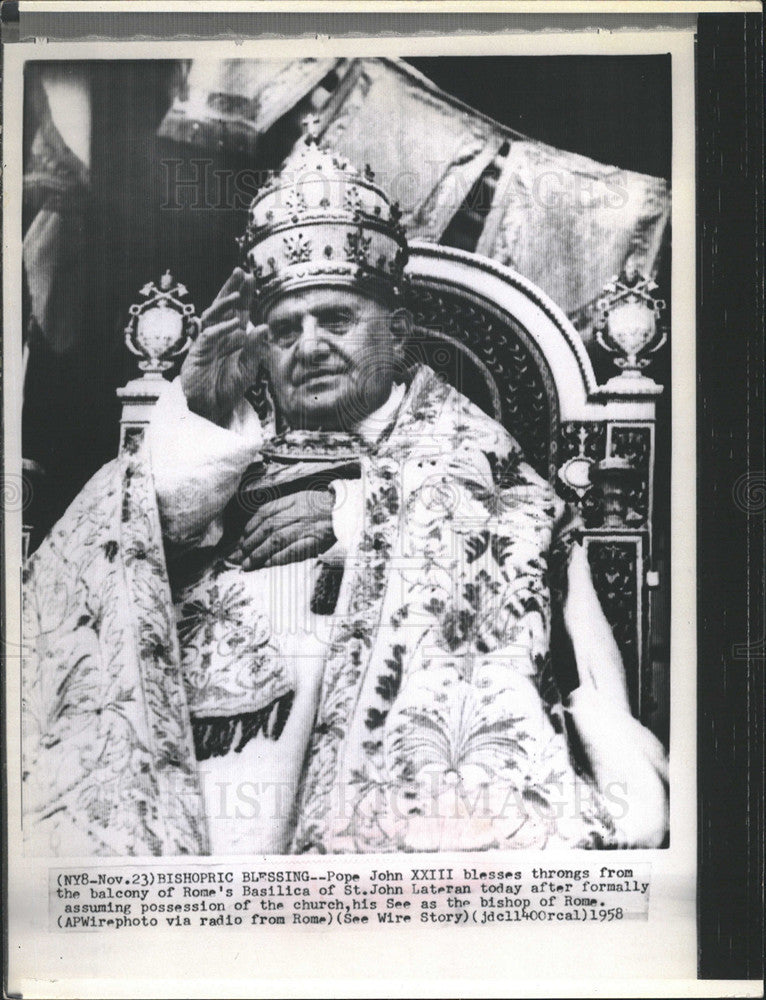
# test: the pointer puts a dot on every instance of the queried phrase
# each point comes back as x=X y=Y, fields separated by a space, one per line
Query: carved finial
x=310 y=125
x=166 y=281
x=627 y=326
x=162 y=326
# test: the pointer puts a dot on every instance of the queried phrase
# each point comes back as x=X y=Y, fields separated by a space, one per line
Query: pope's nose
x=311 y=343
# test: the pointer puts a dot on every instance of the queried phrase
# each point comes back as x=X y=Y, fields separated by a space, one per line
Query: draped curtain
x=566 y=222
x=56 y=191
x=232 y=102
x=56 y=183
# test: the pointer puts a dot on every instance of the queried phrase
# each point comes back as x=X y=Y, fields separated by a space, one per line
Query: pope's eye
x=335 y=320
x=284 y=334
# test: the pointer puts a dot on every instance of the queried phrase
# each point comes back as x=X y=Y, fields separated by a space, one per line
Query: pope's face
x=333 y=356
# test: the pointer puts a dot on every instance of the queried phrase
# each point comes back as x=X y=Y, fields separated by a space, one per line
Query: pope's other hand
x=223 y=361
x=287 y=530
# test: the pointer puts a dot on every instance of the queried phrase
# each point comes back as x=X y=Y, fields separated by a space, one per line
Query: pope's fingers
x=260 y=531
x=220 y=307
x=276 y=541
x=246 y=291
x=302 y=549
x=230 y=322
x=272 y=536
x=252 y=351
x=268 y=511
x=232 y=284
x=220 y=338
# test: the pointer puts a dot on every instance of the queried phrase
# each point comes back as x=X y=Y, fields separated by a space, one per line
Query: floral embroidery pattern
x=231 y=663
x=442 y=652
x=107 y=762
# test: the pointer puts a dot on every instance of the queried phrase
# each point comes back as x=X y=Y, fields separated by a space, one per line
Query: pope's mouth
x=315 y=377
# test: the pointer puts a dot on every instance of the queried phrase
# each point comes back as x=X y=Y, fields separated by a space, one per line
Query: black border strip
x=731 y=494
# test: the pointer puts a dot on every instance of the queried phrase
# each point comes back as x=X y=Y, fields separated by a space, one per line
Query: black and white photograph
x=353 y=383
x=347 y=454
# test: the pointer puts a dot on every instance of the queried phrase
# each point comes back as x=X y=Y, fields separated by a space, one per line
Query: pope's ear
x=401 y=327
